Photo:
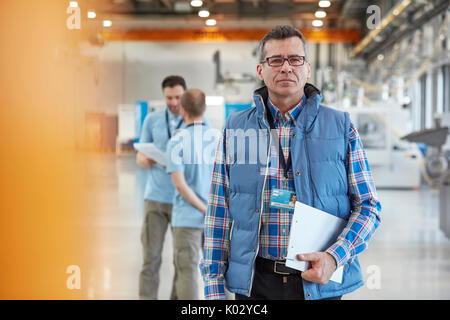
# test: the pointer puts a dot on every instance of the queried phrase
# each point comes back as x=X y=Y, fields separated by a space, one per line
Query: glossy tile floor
x=408 y=257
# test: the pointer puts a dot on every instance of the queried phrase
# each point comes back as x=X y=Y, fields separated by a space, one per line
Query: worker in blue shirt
x=158 y=128
x=190 y=160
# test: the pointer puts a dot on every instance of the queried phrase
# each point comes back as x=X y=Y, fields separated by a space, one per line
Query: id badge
x=282 y=199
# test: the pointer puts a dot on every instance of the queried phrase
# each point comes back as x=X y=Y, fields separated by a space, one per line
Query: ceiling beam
x=395 y=38
x=216 y=35
x=387 y=20
x=305 y=1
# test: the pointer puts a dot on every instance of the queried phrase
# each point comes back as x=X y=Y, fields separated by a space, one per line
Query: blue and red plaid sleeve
x=217 y=229
x=365 y=216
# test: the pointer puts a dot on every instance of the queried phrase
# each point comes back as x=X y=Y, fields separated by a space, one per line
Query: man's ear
x=183 y=113
x=308 y=65
x=259 y=71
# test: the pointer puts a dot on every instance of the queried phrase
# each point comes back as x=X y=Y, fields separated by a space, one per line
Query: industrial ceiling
x=399 y=17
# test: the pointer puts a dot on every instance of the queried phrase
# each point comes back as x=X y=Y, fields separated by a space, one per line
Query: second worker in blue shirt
x=190 y=161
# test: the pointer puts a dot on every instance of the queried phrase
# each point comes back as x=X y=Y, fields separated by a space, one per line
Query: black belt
x=278 y=267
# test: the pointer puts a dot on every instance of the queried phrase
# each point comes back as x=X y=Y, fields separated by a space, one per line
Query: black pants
x=272 y=286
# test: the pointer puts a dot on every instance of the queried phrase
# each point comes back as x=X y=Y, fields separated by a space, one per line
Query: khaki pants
x=187 y=243
x=157 y=218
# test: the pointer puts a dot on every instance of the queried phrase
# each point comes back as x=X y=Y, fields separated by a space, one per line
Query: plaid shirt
x=275 y=223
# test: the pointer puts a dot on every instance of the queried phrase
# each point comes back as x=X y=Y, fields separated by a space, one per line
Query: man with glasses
x=312 y=151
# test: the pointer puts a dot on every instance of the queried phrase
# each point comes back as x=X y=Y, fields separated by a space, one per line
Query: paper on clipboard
x=312 y=230
x=151 y=151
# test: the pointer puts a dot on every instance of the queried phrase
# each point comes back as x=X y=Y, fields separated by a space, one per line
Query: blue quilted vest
x=319 y=154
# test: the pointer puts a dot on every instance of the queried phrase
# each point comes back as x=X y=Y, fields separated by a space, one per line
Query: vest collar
x=309 y=111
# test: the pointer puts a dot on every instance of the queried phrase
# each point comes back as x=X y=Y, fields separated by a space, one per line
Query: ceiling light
x=91 y=14
x=324 y=4
x=317 y=23
x=196 y=3
x=73 y=4
x=378 y=38
x=107 y=23
x=380 y=57
x=321 y=14
x=210 y=22
x=203 y=13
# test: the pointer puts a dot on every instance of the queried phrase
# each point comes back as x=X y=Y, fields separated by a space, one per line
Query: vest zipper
x=231 y=235
x=262 y=202
x=231 y=229
x=311 y=182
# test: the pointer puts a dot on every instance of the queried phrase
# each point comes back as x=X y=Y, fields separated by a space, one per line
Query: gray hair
x=278 y=33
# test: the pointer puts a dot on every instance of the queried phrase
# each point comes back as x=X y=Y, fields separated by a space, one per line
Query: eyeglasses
x=277 y=61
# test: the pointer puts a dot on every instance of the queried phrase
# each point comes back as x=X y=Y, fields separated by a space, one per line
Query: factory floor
x=408 y=257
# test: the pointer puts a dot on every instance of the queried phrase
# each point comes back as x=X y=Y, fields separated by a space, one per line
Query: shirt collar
x=171 y=116
x=293 y=113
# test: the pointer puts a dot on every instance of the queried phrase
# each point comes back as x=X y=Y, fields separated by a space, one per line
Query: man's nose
x=286 y=67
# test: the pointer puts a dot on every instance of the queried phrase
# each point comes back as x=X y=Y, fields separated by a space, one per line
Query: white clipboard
x=151 y=151
x=312 y=230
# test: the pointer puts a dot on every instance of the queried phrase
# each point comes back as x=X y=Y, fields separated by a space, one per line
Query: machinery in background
x=394 y=163
x=435 y=161
x=236 y=88
x=436 y=167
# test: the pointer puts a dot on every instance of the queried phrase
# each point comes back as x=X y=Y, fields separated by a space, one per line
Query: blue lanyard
x=168 y=126
x=286 y=165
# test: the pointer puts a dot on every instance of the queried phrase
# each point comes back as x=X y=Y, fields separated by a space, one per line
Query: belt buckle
x=279 y=272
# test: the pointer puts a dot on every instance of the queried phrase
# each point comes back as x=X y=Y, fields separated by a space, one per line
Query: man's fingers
x=308 y=257
x=310 y=275
x=315 y=275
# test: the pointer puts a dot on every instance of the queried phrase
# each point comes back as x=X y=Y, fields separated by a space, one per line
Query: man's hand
x=204 y=208
x=144 y=161
x=322 y=266
x=186 y=192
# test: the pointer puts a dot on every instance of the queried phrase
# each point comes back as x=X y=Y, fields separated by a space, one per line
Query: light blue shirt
x=159 y=185
x=192 y=151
